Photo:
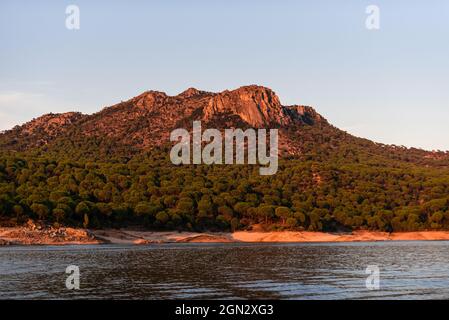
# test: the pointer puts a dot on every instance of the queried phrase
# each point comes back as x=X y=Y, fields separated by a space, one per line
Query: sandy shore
x=65 y=236
x=126 y=236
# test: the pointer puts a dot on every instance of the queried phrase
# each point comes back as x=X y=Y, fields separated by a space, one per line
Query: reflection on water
x=408 y=270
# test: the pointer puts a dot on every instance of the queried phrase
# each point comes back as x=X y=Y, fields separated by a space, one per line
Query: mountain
x=112 y=169
x=145 y=122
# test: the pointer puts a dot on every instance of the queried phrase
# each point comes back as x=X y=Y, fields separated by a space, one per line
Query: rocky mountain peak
x=256 y=105
x=146 y=120
x=150 y=99
x=190 y=92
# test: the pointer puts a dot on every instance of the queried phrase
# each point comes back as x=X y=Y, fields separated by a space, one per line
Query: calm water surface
x=408 y=270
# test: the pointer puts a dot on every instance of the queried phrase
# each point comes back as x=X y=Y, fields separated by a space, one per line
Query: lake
x=408 y=270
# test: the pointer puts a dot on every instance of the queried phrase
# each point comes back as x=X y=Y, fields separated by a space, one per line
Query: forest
x=343 y=191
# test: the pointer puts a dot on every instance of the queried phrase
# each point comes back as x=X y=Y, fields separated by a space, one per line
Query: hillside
x=111 y=168
x=145 y=122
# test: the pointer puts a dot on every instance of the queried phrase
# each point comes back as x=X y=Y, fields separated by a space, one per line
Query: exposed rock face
x=258 y=106
x=191 y=92
x=150 y=100
x=303 y=114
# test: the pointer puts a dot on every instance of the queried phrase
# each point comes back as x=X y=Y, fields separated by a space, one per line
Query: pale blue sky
x=389 y=85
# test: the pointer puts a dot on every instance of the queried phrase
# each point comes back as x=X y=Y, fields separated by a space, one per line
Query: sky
x=390 y=85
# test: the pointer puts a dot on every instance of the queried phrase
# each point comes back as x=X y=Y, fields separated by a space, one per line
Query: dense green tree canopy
x=308 y=193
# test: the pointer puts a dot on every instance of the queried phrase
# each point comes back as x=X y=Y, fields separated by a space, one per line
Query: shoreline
x=70 y=236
